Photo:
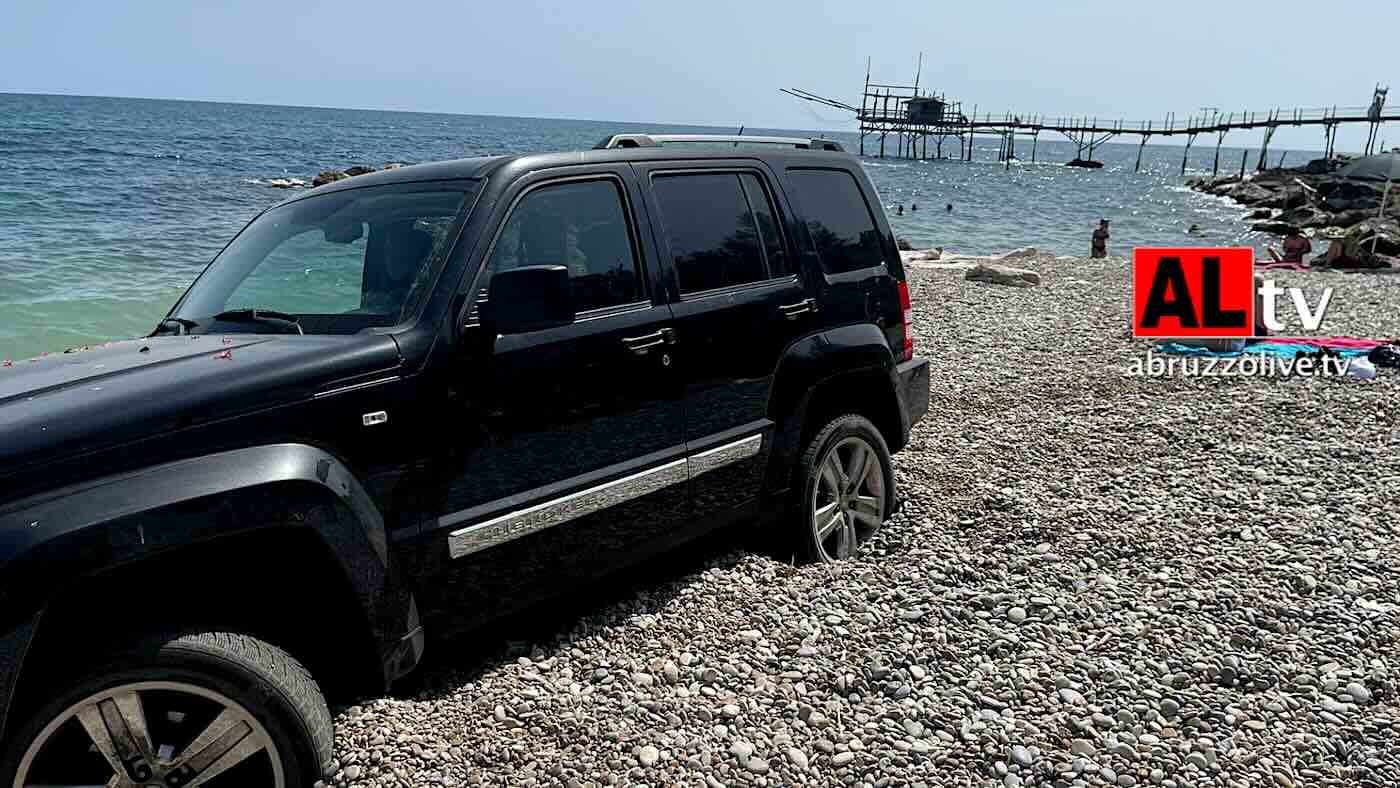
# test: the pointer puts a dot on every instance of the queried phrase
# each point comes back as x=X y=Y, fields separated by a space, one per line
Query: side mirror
x=531 y=298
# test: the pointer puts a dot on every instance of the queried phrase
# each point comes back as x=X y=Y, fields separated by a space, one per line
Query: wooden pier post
x=1035 y=140
x=1219 y=140
x=1190 y=138
x=1244 y=160
x=1268 y=135
x=1147 y=133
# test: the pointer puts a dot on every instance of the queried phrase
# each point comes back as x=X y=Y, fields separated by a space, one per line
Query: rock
x=1016 y=615
x=1287 y=197
x=649 y=755
x=1359 y=693
x=328 y=176
x=1249 y=193
x=1260 y=213
x=1275 y=227
x=798 y=758
x=1350 y=218
x=922 y=255
x=902 y=244
x=1016 y=254
x=1321 y=166
x=1002 y=275
x=1358 y=239
x=359 y=169
x=1070 y=697
x=393 y=165
x=1354 y=191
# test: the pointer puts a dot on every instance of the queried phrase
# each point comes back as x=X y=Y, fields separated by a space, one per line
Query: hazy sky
x=714 y=62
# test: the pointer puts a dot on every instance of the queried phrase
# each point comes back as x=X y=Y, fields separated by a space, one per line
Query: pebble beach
x=1095 y=580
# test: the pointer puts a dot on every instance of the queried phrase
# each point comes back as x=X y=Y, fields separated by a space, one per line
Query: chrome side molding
x=547 y=514
x=721 y=456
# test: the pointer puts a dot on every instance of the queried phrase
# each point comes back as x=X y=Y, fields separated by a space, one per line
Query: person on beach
x=1098 y=243
x=1295 y=247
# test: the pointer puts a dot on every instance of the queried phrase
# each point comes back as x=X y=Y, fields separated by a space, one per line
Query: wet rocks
x=331 y=176
x=1311 y=197
x=328 y=176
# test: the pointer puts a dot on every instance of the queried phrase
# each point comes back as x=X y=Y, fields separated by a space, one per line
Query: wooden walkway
x=914 y=117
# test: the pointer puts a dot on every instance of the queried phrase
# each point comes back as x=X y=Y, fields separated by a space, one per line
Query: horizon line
x=706 y=125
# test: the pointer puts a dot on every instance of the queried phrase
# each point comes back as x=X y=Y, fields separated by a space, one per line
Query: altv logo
x=1211 y=293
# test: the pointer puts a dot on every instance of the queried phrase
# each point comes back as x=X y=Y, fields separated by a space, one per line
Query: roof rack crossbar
x=657 y=140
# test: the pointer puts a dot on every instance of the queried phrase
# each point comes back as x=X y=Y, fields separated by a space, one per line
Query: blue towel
x=1266 y=348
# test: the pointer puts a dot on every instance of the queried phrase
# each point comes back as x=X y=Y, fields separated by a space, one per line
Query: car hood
x=71 y=403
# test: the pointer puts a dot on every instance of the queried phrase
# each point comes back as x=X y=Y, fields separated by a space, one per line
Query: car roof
x=483 y=166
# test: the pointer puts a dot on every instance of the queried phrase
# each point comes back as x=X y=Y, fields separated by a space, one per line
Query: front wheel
x=847 y=492
x=206 y=709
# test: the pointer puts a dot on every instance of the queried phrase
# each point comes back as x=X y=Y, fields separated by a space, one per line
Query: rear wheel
x=848 y=489
x=206 y=709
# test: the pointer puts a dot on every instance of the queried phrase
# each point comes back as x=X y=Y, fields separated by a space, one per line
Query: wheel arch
x=844 y=370
x=287 y=524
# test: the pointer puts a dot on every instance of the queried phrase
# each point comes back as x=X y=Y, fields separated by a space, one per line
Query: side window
x=583 y=226
x=840 y=221
x=711 y=230
x=768 y=232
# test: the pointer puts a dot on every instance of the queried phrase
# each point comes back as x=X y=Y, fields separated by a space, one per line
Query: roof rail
x=657 y=140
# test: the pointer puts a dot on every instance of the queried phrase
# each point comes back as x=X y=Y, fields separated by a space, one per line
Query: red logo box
x=1193 y=292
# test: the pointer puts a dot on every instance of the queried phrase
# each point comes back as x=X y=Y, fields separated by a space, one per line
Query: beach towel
x=1332 y=343
x=1283 y=348
x=1280 y=265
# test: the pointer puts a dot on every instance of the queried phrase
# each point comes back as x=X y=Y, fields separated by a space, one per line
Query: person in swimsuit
x=1098 y=244
x=1295 y=247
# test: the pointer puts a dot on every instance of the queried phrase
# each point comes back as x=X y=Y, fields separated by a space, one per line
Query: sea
x=109 y=207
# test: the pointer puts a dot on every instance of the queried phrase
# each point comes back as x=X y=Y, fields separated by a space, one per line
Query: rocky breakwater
x=1317 y=199
x=324 y=176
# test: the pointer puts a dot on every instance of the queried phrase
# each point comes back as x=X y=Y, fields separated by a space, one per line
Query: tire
x=259 y=716
x=855 y=507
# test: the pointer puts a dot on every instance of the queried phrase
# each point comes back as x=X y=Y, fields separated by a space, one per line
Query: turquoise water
x=109 y=207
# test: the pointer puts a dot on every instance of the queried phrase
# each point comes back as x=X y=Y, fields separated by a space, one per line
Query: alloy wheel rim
x=848 y=499
x=152 y=734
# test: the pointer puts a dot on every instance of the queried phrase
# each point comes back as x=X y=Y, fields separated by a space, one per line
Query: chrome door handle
x=646 y=343
x=803 y=307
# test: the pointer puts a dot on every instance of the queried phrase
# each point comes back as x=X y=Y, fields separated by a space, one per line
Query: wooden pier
x=913 y=116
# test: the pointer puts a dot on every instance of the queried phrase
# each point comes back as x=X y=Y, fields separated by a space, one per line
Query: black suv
x=408 y=402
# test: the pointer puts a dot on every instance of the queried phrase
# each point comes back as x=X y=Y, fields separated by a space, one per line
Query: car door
x=740 y=301
x=572 y=454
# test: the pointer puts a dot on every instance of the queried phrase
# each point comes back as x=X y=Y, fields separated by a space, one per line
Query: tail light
x=906 y=308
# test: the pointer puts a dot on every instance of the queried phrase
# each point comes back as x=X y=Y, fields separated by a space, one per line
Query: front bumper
x=911 y=386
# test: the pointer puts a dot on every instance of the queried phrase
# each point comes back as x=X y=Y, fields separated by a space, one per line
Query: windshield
x=328 y=264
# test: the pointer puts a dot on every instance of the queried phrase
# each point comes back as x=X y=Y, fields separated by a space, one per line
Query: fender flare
x=859 y=349
x=50 y=540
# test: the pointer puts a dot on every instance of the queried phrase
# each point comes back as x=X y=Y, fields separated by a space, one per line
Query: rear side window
x=720 y=228
x=839 y=219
